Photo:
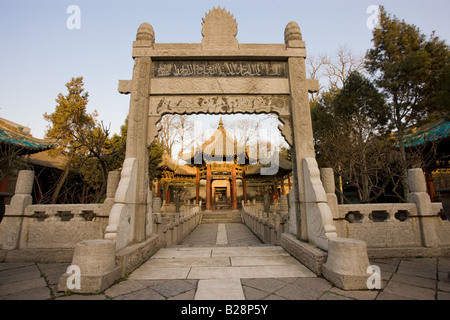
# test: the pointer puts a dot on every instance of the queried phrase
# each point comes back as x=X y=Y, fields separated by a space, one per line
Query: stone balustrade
x=267 y=226
x=56 y=228
x=46 y=232
x=380 y=225
x=174 y=227
x=417 y=228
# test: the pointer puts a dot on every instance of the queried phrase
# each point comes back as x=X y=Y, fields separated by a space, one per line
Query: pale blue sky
x=39 y=54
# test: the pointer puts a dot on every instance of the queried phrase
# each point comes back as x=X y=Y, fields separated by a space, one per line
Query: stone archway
x=219 y=76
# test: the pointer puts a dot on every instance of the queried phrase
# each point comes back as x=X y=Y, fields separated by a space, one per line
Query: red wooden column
x=244 y=187
x=233 y=188
x=430 y=185
x=208 y=187
x=289 y=182
x=275 y=190
x=197 y=187
x=167 y=192
x=158 y=188
x=283 y=190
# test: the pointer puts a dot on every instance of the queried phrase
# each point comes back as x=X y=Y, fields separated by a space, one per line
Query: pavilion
x=224 y=172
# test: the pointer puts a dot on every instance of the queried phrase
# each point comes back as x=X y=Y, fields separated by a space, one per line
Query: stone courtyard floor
x=227 y=262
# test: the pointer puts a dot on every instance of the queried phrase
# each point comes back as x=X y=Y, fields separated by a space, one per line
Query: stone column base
x=347 y=264
x=93 y=267
x=90 y=283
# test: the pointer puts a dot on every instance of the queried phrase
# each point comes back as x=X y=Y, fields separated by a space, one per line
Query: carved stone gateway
x=221 y=76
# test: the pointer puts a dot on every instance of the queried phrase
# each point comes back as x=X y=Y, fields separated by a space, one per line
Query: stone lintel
x=168 y=86
x=183 y=51
x=219 y=104
x=125 y=86
x=312 y=85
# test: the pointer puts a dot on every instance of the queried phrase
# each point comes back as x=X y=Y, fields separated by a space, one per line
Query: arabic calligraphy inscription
x=275 y=69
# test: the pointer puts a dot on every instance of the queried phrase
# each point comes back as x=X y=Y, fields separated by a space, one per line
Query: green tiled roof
x=12 y=135
x=428 y=133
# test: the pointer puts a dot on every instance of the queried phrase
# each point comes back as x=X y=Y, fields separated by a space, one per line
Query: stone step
x=228 y=217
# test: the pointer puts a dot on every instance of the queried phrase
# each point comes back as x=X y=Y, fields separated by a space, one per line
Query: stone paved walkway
x=226 y=261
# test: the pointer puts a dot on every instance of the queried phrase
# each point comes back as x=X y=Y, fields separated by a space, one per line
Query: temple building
x=221 y=173
x=432 y=142
x=20 y=148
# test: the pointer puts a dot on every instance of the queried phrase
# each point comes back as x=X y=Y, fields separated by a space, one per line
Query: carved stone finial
x=219 y=29
x=292 y=34
x=145 y=33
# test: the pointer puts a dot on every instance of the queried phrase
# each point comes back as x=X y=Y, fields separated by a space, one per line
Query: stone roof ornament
x=293 y=35
x=219 y=29
x=146 y=33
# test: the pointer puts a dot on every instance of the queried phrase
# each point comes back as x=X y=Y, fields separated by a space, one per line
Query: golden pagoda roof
x=220 y=147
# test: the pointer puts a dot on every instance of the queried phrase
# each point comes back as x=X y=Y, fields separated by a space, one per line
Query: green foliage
x=411 y=69
x=69 y=118
x=155 y=157
x=85 y=142
x=413 y=73
x=348 y=124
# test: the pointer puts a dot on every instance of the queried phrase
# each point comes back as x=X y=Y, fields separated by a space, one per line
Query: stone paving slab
x=414 y=280
x=222 y=238
x=280 y=271
x=262 y=261
x=409 y=291
x=249 y=251
x=219 y=289
x=169 y=253
x=402 y=278
x=192 y=262
x=147 y=272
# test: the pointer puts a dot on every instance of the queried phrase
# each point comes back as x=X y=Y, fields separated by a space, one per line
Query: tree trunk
x=60 y=183
x=403 y=163
x=104 y=182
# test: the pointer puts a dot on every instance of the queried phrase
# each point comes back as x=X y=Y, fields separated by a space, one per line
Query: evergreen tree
x=412 y=71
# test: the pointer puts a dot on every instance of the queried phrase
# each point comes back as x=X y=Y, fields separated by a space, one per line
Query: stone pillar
x=327 y=177
x=284 y=207
x=156 y=205
x=418 y=195
x=138 y=137
x=301 y=125
x=111 y=188
x=208 y=187
x=21 y=199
